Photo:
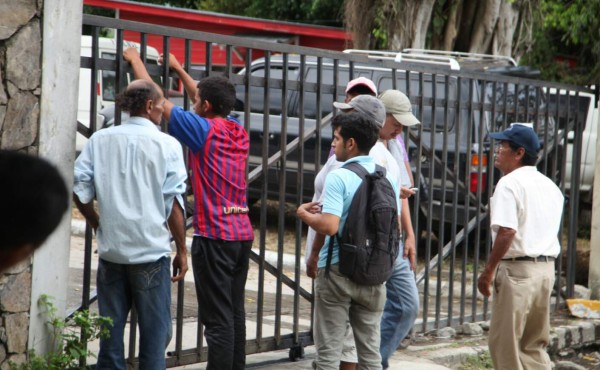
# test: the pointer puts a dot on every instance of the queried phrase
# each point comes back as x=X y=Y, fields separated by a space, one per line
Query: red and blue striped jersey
x=218 y=154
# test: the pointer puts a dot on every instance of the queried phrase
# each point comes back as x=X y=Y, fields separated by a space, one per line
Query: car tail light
x=477 y=163
x=98 y=88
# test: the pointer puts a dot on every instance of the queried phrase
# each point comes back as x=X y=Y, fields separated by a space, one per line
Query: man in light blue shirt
x=337 y=298
x=137 y=175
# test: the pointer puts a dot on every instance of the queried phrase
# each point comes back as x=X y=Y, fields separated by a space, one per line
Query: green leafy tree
x=323 y=12
x=571 y=29
x=188 y=4
x=536 y=30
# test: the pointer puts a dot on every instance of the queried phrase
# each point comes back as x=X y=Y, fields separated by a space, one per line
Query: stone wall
x=20 y=77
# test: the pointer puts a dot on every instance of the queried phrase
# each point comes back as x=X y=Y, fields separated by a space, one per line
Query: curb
x=580 y=332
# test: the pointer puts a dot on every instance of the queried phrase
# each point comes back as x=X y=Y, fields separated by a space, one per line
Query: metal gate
x=285 y=101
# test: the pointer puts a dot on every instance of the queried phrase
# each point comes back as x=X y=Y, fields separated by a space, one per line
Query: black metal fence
x=285 y=102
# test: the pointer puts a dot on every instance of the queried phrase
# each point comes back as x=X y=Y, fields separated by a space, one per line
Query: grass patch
x=477 y=362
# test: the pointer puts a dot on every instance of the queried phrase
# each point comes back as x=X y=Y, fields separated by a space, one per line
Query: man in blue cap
x=525 y=212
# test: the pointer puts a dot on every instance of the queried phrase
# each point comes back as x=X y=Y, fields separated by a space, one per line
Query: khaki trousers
x=337 y=301
x=520 y=323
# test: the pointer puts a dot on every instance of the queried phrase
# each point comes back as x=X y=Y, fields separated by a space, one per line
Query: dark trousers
x=220 y=271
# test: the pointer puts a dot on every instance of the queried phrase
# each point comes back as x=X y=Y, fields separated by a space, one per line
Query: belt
x=531 y=259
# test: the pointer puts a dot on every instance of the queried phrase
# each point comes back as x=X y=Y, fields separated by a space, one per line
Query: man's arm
x=176 y=223
x=502 y=244
x=324 y=223
x=189 y=84
x=88 y=211
x=139 y=69
x=132 y=56
x=409 y=243
x=409 y=172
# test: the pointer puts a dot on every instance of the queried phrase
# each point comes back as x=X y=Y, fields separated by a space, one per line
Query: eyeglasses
x=501 y=146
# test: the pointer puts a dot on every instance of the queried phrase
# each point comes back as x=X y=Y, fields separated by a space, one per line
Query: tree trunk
x=484 y=26
x=463 y=39
x=523 y=32
x=408 y=22
x=501 y=27
x=451 y=28
x=359 y=17
x=505 y=29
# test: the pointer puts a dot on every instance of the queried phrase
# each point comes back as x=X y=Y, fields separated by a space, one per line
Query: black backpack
x=368 y=246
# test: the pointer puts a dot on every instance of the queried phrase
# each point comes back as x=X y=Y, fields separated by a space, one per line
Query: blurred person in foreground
x=33 y=200
x=525 y=215
x=137 y=174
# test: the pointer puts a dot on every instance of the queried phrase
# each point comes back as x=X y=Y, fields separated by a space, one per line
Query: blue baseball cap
x=521 y=134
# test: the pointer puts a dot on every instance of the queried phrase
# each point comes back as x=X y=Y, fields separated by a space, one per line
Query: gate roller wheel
x=296 y=353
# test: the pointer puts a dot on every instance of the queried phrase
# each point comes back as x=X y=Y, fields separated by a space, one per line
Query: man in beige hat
x=402 y=303
x=398 y=115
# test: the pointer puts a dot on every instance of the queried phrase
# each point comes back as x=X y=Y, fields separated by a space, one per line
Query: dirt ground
x=587 y=356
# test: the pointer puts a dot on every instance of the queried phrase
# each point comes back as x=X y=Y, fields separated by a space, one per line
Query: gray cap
x=368 y=105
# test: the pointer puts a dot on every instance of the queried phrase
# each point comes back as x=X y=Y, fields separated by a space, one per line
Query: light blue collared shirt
x=340 y=187
x=135 y=172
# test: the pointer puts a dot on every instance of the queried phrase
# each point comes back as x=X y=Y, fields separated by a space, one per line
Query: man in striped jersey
x=223 y=235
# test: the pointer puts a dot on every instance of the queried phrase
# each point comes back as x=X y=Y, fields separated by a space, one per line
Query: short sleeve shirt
x=340 y=186
x=531 y=204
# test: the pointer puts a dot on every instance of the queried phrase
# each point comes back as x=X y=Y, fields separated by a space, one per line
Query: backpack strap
x=360 y=171
x=329 y=254
x=357 y=168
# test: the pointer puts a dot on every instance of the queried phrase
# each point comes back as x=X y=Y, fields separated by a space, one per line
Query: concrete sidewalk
x=427 y=353
x=430 y=353
x=276 y=360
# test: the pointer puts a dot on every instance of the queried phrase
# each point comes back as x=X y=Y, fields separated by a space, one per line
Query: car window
x=257 y=93
x=310 y=98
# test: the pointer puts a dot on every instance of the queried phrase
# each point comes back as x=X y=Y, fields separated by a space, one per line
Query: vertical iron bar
x=282 y=191
x=120 y=77
x=429 y=206
x=263 y=199
x=299 y=200
x=453 y=222
x=467 y=178
x=441 y=236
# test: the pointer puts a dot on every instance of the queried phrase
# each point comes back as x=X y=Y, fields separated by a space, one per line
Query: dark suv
x=450 y=131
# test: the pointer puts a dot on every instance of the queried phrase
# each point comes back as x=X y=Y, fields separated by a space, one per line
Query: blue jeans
x=148 y=286
x=401 y=308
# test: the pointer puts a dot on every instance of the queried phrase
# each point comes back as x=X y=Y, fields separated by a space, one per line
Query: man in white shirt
x=402 y=304
x=525 y=213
